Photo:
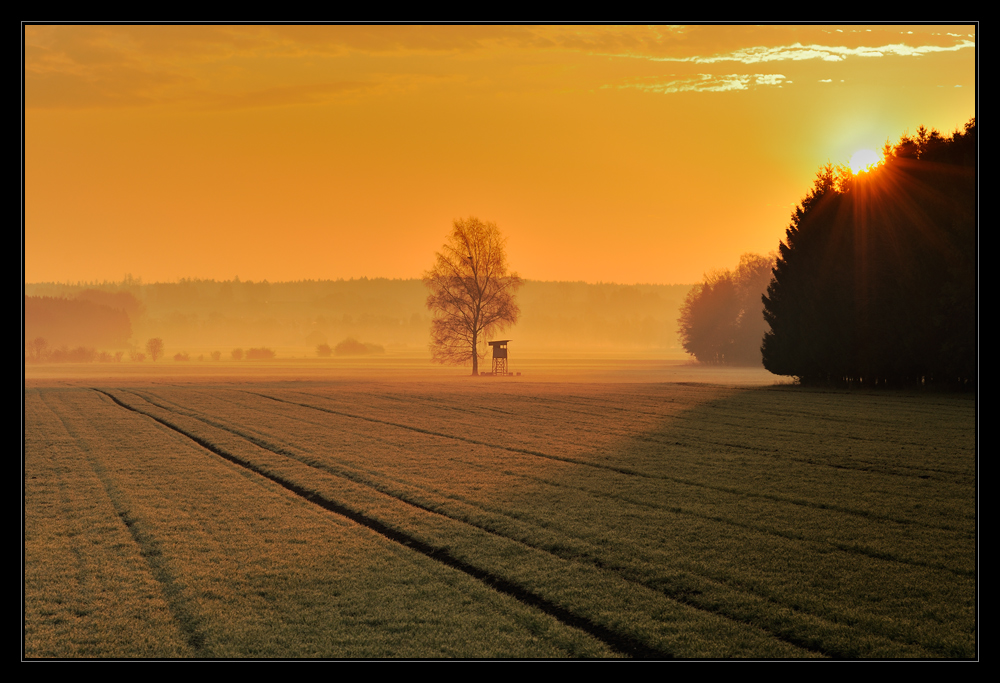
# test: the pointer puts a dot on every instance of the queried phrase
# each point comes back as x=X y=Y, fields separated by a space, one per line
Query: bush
x=181 y=356
x=136 y=356
x=237 y=354
x=352 y=347
x=323 y=350
x=262 y=353
x=216 y=355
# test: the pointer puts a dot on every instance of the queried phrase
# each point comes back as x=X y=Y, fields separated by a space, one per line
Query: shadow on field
x=838 y=522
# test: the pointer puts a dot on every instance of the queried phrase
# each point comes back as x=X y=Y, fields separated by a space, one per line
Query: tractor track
x=615 y=640
x=865 y=514
x=510 y=588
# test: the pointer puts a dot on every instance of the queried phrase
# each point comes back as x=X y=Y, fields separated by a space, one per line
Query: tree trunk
x=475 y=354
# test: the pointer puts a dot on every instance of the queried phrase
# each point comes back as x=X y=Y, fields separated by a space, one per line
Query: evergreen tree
x=875 y=282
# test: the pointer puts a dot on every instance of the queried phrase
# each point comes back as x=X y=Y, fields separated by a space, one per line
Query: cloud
x=828 y=53
x=239 y=66
x=254 y=66
x=711 y=83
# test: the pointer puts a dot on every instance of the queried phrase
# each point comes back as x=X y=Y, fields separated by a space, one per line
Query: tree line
x=37 y=350
x=875 y=284
x=721 y=321
x=80 y=321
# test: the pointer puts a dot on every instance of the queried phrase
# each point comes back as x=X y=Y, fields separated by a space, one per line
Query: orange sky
x=616 y=154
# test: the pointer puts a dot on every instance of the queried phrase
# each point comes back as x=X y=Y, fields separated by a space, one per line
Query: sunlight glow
x=864 y=160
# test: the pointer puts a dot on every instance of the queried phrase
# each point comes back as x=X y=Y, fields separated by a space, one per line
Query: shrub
x=352 y=347
x=216 y=355
x=237 y=354
x=181 y=356
x=262 y=353
x=136 y=356
x=323 y=351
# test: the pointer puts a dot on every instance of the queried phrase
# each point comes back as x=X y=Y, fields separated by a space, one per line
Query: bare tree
x=472 y=294
x=154 y=347
x=37 y=348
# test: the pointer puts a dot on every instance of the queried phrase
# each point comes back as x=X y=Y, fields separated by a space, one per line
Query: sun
x=864 y=160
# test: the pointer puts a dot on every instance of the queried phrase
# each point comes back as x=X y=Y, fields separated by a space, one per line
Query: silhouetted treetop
x=875 y=281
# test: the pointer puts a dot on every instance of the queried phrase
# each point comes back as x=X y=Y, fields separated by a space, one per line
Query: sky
x=628 y=154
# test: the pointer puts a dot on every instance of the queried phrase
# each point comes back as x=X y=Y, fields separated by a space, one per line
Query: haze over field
x=296 y=317
x=243 y=247
x=605 y=154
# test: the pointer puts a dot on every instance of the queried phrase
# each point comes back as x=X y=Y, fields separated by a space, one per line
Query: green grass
x=245 y=568
x=657 y=520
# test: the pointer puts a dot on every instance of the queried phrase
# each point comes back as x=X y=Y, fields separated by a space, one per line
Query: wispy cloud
x=799 y=52
x=710 y=83
x=263 y=66
x=221 y=67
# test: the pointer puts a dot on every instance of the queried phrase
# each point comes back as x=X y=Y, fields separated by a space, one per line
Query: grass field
x=262 y=516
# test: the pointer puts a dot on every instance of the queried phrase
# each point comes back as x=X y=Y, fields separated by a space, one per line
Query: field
x=429 y=515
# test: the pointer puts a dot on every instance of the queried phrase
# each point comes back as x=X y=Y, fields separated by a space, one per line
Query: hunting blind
x=500 y=357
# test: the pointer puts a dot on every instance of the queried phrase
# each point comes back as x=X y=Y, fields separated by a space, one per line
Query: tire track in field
x=897 y=469
x=617 y=641
x=596 y=563
x=623 y=573
x=83 y=572
x=370 y=479
x=900 y=437
x=850 y=548
x=477 y=442
x=913 y=471
x=626 y=574
x=149 y=548
x=866 y=514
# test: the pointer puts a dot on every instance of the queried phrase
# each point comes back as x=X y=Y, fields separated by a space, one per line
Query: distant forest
x=301 y=318
x=79 y=321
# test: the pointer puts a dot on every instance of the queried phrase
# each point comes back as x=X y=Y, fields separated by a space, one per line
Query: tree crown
x=472 y=294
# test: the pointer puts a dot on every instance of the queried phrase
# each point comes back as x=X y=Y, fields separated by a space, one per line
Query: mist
x=299 y=318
